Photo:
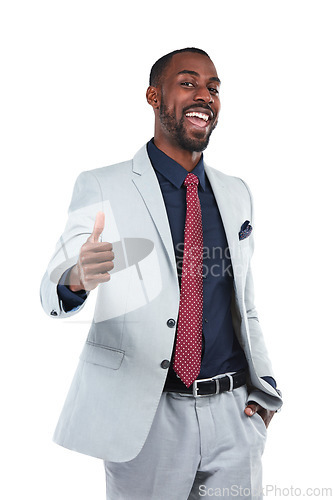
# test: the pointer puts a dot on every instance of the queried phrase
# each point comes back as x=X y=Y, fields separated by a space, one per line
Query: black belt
x=209 y=386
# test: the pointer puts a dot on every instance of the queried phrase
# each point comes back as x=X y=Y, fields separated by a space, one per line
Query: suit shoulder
x=90 y=184
x=230 y=181
x=117 y=169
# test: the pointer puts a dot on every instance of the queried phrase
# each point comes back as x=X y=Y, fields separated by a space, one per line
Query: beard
x=178 y=132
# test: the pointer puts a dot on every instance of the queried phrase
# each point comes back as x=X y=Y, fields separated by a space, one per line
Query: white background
x=74 y=75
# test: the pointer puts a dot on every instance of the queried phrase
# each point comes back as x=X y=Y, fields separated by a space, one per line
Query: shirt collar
x=170 y=169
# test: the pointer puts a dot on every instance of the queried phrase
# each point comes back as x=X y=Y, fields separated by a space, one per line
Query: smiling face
x=186 y=102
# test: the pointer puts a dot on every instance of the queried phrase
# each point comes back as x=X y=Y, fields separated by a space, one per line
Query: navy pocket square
x=245 y=231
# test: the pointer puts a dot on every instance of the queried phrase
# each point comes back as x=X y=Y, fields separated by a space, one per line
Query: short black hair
x=161 y=64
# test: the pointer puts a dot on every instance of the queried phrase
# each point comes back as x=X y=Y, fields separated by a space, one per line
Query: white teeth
x=198 y=115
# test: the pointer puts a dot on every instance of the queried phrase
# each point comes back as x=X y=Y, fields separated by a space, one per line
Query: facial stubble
x=178 y=131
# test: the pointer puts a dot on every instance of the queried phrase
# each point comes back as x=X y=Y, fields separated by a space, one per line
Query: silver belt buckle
x=231 y=380
x=195 y=387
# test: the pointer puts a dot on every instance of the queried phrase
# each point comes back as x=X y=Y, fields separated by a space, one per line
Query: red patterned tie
x=189 y=332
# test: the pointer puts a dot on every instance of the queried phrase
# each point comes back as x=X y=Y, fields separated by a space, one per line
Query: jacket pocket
x=102 y=355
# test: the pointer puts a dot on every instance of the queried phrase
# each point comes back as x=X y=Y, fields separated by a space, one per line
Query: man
x=174 y=389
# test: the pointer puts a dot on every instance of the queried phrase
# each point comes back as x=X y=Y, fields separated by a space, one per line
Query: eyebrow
x=194 y=73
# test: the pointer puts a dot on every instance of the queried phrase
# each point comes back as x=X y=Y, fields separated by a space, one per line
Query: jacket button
x=171 y=323
x=54 y=313
x=165 y=364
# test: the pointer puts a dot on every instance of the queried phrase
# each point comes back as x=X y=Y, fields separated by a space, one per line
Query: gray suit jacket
x=120 y=376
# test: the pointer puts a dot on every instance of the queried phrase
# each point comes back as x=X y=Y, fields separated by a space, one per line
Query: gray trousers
x=196 y=448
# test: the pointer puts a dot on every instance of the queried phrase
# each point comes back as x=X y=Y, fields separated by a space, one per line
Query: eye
x=213 y=90
x=187 y=84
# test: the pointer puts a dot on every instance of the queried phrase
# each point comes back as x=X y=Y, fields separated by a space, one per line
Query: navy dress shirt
x=221 y=351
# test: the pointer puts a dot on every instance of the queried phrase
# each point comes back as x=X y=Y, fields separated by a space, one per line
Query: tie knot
x=191 y=179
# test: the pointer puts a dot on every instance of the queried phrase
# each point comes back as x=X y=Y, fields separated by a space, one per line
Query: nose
x=203 y=94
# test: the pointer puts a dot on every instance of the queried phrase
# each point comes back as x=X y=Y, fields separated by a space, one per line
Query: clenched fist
x=95 y=260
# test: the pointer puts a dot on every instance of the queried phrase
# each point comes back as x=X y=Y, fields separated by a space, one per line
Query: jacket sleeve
x=86 y=202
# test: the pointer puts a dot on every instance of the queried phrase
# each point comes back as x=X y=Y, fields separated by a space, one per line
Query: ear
x=152 y=96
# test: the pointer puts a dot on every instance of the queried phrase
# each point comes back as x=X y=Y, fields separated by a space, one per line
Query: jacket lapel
x=229 y=214
x=147 y=184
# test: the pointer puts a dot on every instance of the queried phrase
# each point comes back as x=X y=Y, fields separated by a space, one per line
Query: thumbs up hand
x=95 y=260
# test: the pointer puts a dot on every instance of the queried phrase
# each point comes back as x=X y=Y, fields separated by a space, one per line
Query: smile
x=198 y=119
x=202 y=116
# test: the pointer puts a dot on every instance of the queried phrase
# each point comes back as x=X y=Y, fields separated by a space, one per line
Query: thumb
x=98 y=227
x=251 y=409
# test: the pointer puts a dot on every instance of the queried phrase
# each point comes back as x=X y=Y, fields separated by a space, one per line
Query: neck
x=187 y=159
